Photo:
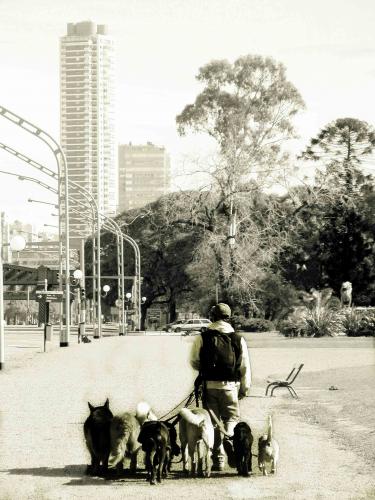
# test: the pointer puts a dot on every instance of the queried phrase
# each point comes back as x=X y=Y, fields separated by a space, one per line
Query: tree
x=342 y=147
x=246 y=107
x=334 y=224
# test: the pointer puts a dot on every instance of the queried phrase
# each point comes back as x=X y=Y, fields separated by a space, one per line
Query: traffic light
x=83 y=294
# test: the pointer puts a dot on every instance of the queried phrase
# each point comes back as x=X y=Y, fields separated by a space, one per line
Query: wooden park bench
x=275 y=384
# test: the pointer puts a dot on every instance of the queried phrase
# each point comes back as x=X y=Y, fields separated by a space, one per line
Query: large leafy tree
x=247 y=108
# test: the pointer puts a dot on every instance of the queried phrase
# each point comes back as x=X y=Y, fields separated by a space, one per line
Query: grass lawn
x=347 y=413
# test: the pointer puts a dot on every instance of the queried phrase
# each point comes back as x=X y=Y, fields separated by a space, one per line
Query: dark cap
x=221 y=311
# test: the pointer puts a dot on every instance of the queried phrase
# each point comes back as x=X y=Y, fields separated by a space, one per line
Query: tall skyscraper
x=87 y=114
x=144 y=175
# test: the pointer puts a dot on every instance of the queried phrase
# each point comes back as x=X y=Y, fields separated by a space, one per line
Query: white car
x=189 y=325
x=170 y=327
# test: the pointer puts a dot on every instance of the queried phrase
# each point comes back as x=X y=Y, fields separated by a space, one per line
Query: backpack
x=220 y=356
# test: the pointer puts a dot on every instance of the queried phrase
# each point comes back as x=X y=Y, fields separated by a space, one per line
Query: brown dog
x=155 y=440
x=197 y=438
x=268 y=450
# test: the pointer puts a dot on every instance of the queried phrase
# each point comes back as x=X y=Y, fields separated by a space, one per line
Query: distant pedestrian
x=221 y=357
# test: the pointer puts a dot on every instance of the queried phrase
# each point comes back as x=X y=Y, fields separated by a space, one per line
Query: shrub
x=252 y=324
x=358 y=323
x=257 y=325
x=289 y=328
x=323 y=322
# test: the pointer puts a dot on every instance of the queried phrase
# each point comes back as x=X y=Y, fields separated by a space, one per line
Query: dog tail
x=269 y=434
x=144 y=412
x=191 y=417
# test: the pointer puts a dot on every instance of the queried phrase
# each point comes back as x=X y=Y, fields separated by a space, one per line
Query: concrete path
x=44 y=404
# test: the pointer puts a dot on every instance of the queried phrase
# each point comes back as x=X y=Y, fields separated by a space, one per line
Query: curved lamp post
x=63 y=199
x=17 y=244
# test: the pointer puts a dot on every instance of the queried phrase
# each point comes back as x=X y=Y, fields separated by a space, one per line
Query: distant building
x=144 y=174
x=87 y=116
x=42 y=248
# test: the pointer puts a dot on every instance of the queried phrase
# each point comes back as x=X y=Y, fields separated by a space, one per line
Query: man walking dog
x=221 y=357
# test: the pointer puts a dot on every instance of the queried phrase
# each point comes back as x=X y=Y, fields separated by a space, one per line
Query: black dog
x=156 y=443
x=239 y=453
x=97 y=434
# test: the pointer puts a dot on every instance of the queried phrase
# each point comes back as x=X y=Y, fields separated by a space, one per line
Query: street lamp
x=30 y=200
x=128 y=298
x=81 y=302
x=17 y=244
x=106 y=289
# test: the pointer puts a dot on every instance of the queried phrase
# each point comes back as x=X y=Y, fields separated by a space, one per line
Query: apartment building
x=144 y=174
x=87 y=117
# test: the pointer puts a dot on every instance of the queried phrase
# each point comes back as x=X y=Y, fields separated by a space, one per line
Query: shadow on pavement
x=68 y=470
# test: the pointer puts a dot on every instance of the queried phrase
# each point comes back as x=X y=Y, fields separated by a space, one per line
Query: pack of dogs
x=112 y=439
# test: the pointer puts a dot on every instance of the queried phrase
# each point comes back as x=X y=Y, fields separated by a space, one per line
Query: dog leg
x=273 y=467
x=208 y=463
x=200 y=459
x=133 y=462
x=161 y=464
x=153 y=463
x=250 y=463
x=192 y=455
x=185 y=458
x=167 y=463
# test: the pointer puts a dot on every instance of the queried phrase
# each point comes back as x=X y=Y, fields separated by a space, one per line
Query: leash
x=185 y=402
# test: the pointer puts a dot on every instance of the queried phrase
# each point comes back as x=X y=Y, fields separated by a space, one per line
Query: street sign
x=49 y=296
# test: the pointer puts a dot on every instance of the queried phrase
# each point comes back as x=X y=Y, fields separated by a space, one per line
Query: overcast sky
x=327 y=46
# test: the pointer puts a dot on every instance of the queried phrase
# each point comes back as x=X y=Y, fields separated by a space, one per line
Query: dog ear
x=90 y=406
x=106 y=404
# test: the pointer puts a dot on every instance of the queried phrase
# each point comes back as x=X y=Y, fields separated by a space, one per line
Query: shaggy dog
x=97 y=435
x=242 y=442
x=197 y=438
x=155 y=440
x=268 y=450
x=124 y=431
x=346 y=294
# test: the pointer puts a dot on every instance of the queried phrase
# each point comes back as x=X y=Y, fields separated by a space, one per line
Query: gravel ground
x=44 y=404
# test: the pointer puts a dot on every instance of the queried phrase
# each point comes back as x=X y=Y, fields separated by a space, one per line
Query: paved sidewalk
x=44 y=404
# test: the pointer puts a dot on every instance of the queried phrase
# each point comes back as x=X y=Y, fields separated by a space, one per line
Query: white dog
x=346 y=294
x=268 y=450
x=197 y=439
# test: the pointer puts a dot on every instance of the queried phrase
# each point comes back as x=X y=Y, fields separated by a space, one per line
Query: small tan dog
x=268 y=450
x=346 y=294
x=197 y=439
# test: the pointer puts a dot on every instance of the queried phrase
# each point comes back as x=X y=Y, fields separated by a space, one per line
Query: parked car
x=169 y=326
x=189 y=325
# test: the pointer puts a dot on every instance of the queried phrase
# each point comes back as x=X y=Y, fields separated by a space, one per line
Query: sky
x=327 y=47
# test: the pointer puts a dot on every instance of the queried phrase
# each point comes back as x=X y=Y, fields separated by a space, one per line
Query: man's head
x=220 y=311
